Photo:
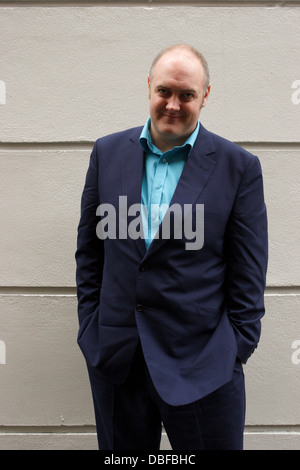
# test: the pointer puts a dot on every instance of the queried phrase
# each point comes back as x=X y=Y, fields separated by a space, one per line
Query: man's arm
x=247 y=253
x=89 y=254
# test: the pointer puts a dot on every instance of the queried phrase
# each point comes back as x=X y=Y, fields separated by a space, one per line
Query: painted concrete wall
x=71 y=73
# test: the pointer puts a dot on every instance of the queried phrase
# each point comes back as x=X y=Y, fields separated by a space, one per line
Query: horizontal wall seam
x=7 y=145
x=71 y=291
x=11 y=431
x=38 y=150
x=149 y=3
x=65 y=429
x=246 y=433
x=38 y=291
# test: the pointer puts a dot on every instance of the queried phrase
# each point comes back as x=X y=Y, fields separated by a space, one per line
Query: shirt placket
x=156 y=210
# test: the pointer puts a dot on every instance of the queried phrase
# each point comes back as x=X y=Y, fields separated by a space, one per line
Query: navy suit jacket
x=195 y=312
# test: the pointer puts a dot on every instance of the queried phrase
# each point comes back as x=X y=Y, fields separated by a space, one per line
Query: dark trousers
x=130 y=416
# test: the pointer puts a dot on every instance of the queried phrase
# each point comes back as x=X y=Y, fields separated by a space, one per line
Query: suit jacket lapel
x=197 y=170
x=132 y=175
x=195 y=175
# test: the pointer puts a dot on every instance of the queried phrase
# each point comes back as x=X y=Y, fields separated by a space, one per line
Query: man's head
x=179 y=87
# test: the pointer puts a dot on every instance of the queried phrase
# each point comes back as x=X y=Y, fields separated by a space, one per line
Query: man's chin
x=172 y=130
x=173 y=134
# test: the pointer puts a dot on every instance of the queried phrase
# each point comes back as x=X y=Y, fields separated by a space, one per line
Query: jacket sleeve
x=247 y=251
x=89 y=253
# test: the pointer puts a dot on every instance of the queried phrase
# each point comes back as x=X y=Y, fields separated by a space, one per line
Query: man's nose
x=173 y=103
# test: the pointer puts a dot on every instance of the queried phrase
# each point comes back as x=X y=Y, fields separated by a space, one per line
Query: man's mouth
x=172 y=116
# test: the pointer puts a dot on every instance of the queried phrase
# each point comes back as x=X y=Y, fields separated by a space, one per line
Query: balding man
x=171 y=267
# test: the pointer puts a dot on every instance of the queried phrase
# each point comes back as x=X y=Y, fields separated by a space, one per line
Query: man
x=171 y=265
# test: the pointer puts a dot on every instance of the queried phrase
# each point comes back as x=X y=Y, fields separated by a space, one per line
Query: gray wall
x=71 y=73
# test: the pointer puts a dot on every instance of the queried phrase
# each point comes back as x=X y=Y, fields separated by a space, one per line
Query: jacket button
x=139 y=308
x=144 y=267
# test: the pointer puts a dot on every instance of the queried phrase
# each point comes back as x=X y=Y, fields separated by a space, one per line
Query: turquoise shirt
x=161 y=174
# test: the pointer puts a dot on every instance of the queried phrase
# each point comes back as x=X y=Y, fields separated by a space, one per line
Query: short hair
x=189 y=48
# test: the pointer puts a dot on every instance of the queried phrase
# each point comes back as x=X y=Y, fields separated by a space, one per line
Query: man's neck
x=164 y=144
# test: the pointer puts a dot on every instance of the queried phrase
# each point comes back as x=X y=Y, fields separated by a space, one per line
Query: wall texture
x=72 y=72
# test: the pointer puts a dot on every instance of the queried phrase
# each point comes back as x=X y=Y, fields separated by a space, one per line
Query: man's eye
x=188 y=96
x=163 y=92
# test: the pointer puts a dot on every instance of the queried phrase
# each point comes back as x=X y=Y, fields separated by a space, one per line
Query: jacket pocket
x=205 y=317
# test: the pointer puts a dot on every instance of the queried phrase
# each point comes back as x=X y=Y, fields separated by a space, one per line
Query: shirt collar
x=146 y=141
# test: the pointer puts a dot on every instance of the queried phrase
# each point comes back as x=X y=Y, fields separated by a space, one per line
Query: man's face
x=176 y=93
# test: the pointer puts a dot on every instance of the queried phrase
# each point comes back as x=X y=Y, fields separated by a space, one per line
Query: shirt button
x=144 y=267
x=139 y=308
x=164 y=160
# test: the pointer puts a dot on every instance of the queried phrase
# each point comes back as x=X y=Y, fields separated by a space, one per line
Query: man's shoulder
x=231 y=150
x=222 y=142
x=132 y=133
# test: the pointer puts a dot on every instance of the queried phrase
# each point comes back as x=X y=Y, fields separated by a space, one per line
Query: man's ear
x=148 y=79
x=205 y=98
